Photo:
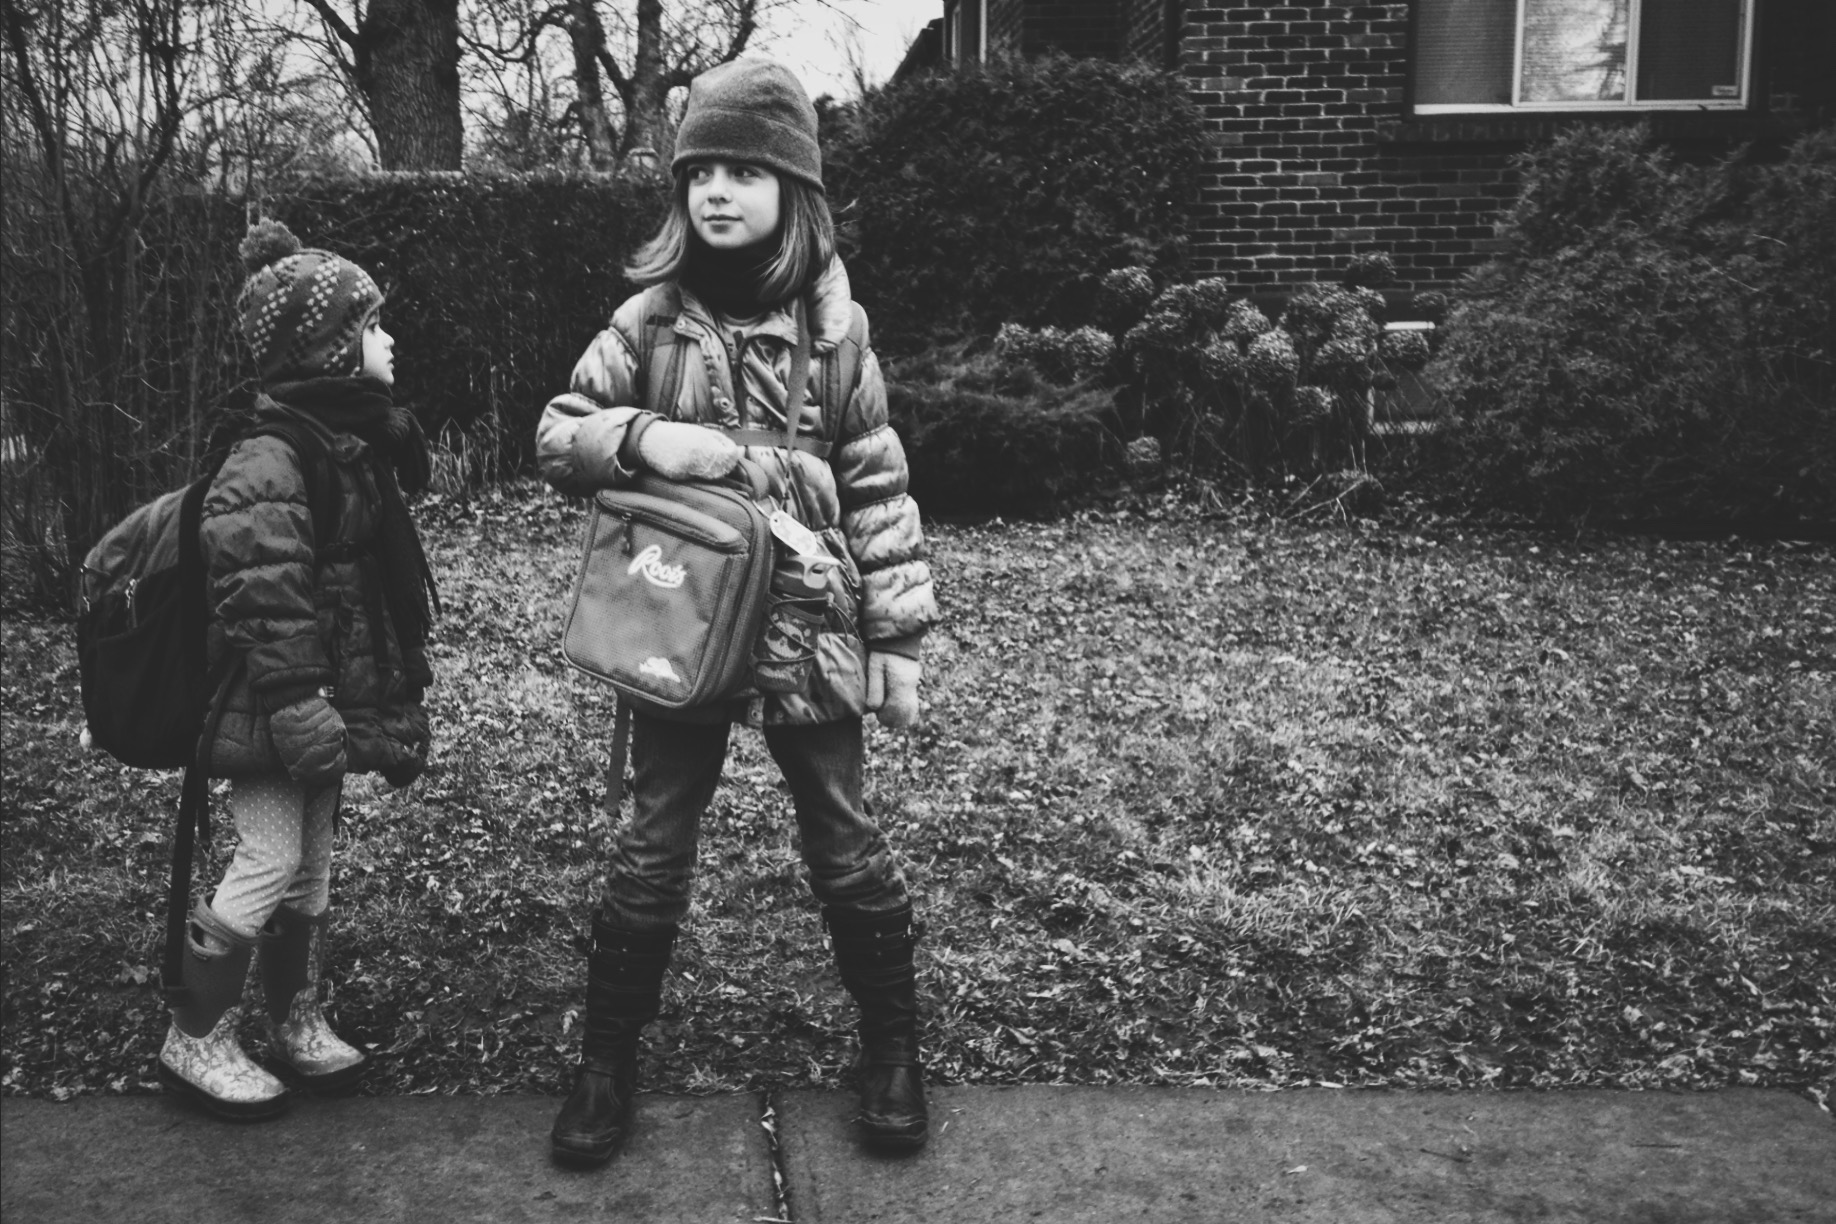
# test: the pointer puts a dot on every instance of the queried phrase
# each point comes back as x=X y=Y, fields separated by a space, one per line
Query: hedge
x=1655 y=345
x=1002 y=192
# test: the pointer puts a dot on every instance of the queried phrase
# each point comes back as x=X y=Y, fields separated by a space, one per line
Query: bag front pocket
x=664 y=606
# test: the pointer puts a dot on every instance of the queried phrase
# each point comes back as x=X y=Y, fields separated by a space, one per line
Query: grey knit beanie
x=303 y=311
x=755 y=111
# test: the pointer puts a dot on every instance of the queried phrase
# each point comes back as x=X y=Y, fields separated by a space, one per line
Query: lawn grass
x=1197 y=801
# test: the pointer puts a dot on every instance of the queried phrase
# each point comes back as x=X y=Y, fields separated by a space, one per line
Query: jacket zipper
x=738 y=375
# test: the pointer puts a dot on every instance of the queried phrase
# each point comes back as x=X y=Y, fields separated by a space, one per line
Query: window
x=1553 y=55
x=965 y=35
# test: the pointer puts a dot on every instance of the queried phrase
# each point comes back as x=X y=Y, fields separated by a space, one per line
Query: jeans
x=676 y=767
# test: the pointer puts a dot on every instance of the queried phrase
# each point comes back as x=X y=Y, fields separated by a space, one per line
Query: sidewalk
x=1059 y=1155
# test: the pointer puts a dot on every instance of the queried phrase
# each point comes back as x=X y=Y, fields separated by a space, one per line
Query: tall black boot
x=874 y=954
x=624 y=991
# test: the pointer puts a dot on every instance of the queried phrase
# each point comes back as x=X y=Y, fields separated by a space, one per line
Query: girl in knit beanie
x=693 y=374
x=319 y=598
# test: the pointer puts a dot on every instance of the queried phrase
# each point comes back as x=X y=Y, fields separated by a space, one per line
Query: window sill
x=1503 y=130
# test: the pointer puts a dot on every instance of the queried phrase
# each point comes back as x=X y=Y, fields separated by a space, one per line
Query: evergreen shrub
x=1003 y=192
x=1656 y=343
x=985 y=434
x=495 y=283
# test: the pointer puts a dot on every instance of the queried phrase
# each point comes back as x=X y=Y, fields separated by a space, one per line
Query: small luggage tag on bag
x=794 y=535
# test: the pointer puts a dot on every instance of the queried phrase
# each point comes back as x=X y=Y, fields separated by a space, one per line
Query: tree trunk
x=407 y=65
x=588 y=36
x=648 y=89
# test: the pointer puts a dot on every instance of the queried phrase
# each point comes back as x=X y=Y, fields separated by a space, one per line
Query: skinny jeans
x=675 y=768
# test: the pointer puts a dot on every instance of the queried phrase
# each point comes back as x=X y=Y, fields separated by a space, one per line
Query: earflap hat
x=751 y=110
x=303 y=310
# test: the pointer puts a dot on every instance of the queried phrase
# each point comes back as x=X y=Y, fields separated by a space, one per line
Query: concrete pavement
x=1058 y=1154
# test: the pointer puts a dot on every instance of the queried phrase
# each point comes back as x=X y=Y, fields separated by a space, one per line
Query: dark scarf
x=728 y=282
x=398 y=451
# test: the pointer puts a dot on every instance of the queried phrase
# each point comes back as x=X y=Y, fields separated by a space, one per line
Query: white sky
x=813 y=38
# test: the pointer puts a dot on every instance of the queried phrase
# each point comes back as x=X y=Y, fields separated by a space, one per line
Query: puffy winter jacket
x=308 y=615
x=855 y=498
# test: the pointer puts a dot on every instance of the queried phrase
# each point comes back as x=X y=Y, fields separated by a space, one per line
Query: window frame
x=1746 y=57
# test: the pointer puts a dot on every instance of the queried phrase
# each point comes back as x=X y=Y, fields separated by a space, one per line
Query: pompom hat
x=303 y=310
x=751 y=110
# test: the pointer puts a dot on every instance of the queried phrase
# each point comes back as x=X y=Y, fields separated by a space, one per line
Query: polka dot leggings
x=283 y=855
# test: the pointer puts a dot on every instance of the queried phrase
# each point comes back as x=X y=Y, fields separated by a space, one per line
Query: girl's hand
x=892 y=688
x=677 y=450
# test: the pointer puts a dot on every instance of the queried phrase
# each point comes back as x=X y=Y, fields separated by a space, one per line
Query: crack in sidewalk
x=780 y=1184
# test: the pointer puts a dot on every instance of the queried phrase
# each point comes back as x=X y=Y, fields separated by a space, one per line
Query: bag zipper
x=673 y=524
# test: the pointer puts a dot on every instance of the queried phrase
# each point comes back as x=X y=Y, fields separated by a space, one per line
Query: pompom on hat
x=303 y=310
x=751 y=110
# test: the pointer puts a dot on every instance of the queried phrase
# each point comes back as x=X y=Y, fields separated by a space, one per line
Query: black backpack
x=142 y=615
x=148 y=694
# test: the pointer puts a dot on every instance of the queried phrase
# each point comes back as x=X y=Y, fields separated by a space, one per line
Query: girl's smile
x=733 y=204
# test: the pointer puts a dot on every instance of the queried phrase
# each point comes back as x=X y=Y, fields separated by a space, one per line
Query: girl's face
x=732 y=204
x=378 y=353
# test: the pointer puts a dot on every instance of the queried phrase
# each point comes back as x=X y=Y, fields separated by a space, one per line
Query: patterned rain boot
x=874 y=954
x=202 y=1059
x=624 y=992
x=292 y=950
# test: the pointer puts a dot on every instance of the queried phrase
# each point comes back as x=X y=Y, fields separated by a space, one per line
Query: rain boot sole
x=332 y=1083
x=234 y=1111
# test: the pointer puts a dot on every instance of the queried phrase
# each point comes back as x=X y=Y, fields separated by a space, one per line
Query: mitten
x=413 y=762
x=309 y=736
x=892 y=688
x=404 y=771
x=678 y=450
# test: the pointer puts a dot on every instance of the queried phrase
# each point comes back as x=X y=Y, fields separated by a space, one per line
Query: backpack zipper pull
x=133 y=603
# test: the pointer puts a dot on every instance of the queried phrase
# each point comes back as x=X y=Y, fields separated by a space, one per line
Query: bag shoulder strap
x=795 y=392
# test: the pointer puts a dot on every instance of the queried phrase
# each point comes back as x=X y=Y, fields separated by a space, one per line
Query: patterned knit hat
x=303 y=311
x=754 y=111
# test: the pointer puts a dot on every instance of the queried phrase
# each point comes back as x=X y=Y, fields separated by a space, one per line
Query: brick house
x=1340 y=127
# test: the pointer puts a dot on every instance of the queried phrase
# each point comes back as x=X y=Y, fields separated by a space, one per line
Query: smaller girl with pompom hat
x=322 y=627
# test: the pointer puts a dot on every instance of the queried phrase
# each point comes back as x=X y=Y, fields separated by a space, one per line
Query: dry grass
x=1196 y=802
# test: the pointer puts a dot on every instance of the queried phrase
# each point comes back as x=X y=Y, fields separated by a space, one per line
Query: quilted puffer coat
x=855 y=499
x=307 y=616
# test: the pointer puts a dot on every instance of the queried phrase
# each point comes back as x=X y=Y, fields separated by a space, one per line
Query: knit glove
x=892 y=688
x=309 y=736
x=678 y=450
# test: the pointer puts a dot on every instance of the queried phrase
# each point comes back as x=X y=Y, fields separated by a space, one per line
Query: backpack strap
x=841 y=370
x=662 y=307
x=322 y=501
x=615 y=769
x=194 y=797
x=193 y=828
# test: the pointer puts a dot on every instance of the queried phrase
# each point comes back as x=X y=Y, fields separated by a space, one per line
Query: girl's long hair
x=806 y=240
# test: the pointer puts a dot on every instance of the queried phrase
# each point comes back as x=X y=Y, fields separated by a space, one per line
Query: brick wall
x=1294 y=97
x=1315 y=158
